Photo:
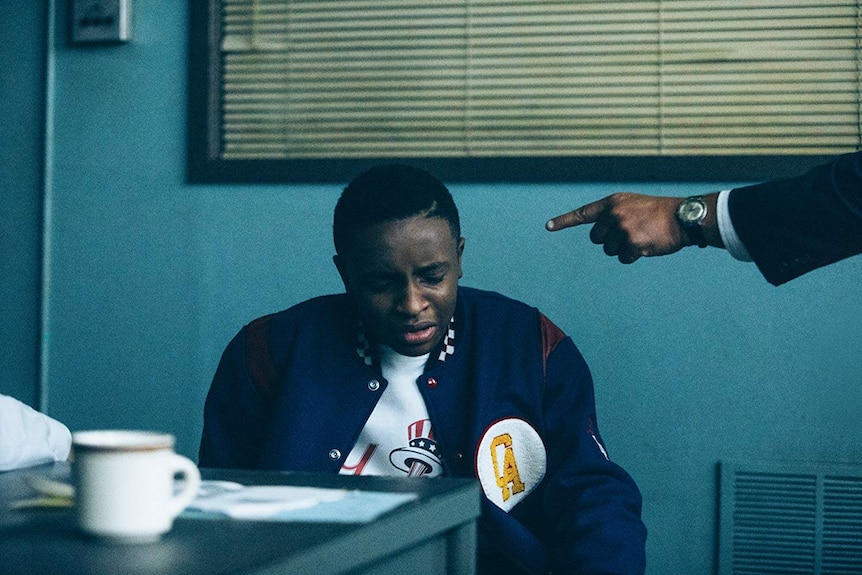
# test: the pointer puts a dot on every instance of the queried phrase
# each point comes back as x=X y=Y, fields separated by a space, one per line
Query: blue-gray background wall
x=695 y=357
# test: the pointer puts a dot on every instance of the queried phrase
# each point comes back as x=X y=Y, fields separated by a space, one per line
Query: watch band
x=695 y=234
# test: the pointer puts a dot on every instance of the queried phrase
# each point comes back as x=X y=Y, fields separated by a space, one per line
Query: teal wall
x=22 y=85
x=695 y=357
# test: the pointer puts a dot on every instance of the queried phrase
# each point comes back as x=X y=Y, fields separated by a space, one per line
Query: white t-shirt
x=29 y=438
x=397 y=438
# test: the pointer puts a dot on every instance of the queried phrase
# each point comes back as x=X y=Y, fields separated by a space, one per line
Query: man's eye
x=433 y=280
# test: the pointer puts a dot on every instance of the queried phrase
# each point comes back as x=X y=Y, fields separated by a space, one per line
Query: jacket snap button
x=373 y=385
x=432 y=383
x=334 y=454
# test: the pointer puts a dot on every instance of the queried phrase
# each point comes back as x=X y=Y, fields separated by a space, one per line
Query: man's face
x=404 y=277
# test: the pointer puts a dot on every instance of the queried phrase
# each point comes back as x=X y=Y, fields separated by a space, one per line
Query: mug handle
x=192 y=475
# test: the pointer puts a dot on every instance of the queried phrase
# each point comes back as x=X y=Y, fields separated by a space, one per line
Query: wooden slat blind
x=521 y=78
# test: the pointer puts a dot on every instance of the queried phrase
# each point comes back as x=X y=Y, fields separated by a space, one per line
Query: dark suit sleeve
x=792 y=226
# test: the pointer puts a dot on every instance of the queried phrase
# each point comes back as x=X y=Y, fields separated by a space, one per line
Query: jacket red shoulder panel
x=258 y=357
x=551 y=336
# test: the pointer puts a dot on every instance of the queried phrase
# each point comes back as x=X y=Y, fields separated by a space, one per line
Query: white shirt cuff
x=731 y=241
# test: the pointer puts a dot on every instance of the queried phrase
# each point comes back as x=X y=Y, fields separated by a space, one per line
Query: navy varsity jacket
x=512 y=405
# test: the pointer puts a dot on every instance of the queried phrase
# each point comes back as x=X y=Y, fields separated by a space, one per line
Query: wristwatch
x=690 y=214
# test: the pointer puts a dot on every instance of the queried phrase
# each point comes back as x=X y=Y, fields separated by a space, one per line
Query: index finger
x=586 y=214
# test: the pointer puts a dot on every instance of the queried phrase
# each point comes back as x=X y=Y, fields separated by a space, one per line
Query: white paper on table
x=291 y=503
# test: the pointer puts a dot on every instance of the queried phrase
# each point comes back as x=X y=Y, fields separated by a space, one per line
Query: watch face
x=692 y=211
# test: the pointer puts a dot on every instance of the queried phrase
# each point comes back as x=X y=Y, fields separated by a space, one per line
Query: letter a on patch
x=510 y=461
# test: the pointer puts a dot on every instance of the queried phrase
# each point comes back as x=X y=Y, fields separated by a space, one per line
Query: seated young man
x=408 y=374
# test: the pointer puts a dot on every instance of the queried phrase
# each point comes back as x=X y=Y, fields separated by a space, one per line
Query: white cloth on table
x=29 y=438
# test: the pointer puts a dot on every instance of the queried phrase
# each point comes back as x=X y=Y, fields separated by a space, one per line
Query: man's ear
x=460 y=253
x=342 y=271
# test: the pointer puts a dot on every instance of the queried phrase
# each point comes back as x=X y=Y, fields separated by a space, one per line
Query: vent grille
x=842 y=525
x=788 y=519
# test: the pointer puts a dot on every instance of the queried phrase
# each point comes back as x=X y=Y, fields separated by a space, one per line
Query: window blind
x=521 y=78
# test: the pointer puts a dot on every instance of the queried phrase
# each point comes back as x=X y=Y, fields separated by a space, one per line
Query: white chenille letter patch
x=510 y=461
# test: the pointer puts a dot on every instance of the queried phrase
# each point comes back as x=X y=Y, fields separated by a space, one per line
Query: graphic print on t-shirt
x=420 y=458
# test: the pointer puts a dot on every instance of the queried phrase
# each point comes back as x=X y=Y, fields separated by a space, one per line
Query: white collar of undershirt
x=393 y=364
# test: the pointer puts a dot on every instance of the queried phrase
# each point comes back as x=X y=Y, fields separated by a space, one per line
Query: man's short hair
x=391 y=192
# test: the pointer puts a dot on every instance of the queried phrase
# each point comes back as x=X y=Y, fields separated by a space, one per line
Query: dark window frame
x=205 y=166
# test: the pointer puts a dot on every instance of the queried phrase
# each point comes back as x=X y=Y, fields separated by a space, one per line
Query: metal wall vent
x=787 y=519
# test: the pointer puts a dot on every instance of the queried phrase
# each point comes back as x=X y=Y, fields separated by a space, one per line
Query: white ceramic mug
x=124 y=484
